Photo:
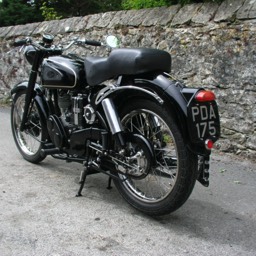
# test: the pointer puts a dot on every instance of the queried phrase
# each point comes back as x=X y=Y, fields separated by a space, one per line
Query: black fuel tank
x=63 y=72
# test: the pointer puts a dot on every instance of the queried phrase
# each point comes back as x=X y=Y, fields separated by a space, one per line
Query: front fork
x=28 y=98
x=30 y=88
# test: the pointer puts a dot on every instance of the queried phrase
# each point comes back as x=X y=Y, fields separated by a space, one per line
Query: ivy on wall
x=15 y=12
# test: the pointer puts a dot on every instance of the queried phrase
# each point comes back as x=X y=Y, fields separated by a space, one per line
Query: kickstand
x=86 y=170
x=82 y=180
x=109 y=183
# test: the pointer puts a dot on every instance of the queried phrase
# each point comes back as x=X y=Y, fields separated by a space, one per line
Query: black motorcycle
x=121 y=115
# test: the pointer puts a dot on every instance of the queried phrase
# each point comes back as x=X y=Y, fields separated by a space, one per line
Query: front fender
x=19 y=87
x=23 y=86
x=38 y=96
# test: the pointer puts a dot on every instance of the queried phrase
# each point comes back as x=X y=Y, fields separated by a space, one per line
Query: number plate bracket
x=204 y=165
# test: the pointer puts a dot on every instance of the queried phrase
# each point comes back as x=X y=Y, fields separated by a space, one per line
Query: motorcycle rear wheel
x=29 y=141
x=168 y=184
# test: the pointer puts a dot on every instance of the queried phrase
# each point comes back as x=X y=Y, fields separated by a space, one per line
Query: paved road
x=40 y=215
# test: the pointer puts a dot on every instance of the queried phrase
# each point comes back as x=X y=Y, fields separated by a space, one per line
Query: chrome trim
x=105 y=92
x=112 y=118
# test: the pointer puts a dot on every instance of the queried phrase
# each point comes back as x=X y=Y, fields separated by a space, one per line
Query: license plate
x=203 y=121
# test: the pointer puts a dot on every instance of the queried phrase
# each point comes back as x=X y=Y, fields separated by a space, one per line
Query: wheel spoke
x=160 y=181
x=29 y=139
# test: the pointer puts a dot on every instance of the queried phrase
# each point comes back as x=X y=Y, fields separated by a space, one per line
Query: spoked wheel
x=170 y=181
x=29 y=141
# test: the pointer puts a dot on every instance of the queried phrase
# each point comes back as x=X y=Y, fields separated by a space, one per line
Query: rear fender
x=179 y=99
x=159 y=89
x=170 y=92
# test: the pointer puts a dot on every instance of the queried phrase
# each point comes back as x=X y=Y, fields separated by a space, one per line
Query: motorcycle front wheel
x=29 y=141
x=171 y=180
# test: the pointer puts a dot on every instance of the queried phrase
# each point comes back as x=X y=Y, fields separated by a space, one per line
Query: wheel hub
x=136 y=160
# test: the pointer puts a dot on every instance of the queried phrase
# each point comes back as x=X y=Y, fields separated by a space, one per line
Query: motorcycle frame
x=174 y=95
x=33 y=90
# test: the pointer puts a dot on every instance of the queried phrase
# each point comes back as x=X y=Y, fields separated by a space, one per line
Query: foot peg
x=49 y=151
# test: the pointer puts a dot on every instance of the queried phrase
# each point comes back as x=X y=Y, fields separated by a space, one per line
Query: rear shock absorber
x=113 y=120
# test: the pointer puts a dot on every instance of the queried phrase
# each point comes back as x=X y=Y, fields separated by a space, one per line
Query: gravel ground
x=40 y=214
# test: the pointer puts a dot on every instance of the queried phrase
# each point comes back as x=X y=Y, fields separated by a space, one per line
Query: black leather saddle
x=126 y=61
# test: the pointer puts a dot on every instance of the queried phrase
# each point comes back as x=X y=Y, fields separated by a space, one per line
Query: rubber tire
x=187 y=162
x=36 y=157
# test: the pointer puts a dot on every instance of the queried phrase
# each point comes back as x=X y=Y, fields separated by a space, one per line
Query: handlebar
x=93 y=43
x=28 y=41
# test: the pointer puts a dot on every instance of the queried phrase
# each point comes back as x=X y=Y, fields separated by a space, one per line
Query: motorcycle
x=121 y=115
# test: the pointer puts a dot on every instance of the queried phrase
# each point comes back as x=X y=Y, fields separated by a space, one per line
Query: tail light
x=203 y=96
x=209 y=144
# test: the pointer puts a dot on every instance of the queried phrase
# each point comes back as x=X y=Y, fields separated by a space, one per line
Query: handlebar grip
x=20 y=42
x=93 y=43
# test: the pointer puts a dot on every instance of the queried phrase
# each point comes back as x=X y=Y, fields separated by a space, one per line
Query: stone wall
x=212 y=46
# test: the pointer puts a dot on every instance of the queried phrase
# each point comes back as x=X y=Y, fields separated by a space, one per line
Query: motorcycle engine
x=75 y=110
x=76 y=114
x=58 y=126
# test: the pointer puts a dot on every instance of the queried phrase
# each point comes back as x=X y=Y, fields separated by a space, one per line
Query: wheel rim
x=29 y=141
x=161 y=179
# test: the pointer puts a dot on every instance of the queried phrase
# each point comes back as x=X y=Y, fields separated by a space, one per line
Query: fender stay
x=107 y=91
